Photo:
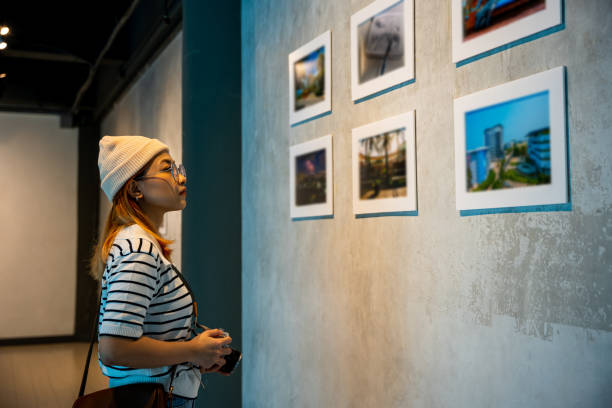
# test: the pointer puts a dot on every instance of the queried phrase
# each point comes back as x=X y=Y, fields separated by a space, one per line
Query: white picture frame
x=529 y=154
x=299 y=153
x=530 y=21
x=365 y=202
x=362 y=65
x=305 y=109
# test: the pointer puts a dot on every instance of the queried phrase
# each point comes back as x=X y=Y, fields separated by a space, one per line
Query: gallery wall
x=38 y=208
x=437 y=308
x=152 y=107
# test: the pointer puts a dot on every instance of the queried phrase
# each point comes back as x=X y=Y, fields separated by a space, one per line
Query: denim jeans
x=178 y=401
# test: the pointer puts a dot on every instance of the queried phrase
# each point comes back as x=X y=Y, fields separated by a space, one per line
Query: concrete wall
x=435 y=310
x=152 y=107
x=38 y=226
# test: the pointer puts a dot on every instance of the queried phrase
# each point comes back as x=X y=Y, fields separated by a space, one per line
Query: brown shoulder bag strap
x=94 y=331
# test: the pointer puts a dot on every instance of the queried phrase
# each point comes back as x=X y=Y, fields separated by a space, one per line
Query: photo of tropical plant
x=381 y=43
x=482 y=16
x=382 y=165
x=508 y=144
x=310 y=178
x=309 y=74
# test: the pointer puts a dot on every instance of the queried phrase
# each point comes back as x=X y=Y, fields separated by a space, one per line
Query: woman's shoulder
x=133 y=238
x=134 y=231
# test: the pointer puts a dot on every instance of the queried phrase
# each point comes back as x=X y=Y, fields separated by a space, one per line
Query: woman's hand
x=209 y=349
x=214 y=369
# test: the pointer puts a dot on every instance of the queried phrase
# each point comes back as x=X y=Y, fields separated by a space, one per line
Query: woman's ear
x=134 y=191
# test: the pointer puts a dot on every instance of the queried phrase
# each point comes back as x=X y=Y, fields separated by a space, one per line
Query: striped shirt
x=144 y=294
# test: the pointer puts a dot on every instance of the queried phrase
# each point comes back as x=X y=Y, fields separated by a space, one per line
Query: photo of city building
x=508 y=144
x=481 y=16
x=310 y=183
x=310 y=79
x=382 y=165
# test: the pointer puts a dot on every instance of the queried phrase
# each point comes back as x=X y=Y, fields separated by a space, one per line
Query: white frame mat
x=312 y=210
x=324 y=40
x=526 y=26
x=385 y=205
x=556 y=192
x=395 y=77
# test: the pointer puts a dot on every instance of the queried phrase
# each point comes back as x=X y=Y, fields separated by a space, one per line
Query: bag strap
x=94 y=331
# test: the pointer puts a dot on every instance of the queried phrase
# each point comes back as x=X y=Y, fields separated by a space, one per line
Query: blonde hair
x=125 y=211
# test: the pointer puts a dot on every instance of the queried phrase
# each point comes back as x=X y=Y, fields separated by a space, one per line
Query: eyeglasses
x=173 y=169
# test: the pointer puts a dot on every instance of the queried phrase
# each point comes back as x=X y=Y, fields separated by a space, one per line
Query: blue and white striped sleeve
x=131 y=281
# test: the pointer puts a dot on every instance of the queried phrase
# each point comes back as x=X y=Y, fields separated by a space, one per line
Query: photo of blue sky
x=518 y=117
x=309 y=62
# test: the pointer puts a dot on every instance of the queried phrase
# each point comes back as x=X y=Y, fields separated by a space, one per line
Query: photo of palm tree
x=309 y=74
x=310 y=178
x=482 y=16
x=382 y=165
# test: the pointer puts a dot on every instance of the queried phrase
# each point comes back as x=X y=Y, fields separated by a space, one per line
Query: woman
x=147 y=315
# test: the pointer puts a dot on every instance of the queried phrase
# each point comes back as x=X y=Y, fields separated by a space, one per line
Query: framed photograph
x=384 y=166
x=310 y=79
x=510 y=144
x=382 y=46
x=311 y=178
x=482 y=25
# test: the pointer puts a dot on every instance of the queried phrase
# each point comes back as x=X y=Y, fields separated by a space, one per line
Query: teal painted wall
x=212 y=156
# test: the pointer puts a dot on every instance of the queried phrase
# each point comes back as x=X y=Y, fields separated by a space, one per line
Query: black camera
x=231 y=361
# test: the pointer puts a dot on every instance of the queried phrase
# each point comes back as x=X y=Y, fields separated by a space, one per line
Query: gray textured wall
x=436 y=310
x=152 y=107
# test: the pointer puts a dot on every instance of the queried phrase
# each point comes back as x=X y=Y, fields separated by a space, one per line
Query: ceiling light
x=3 y=75
x=4 y=30
x=3 y=45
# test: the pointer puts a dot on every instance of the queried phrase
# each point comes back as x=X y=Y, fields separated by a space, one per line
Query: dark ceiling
x=53 y=47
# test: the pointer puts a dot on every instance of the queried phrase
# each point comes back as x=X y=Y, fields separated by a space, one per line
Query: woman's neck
x=154 y=214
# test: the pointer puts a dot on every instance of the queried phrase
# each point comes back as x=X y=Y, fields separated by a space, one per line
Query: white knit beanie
x=121 y=157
